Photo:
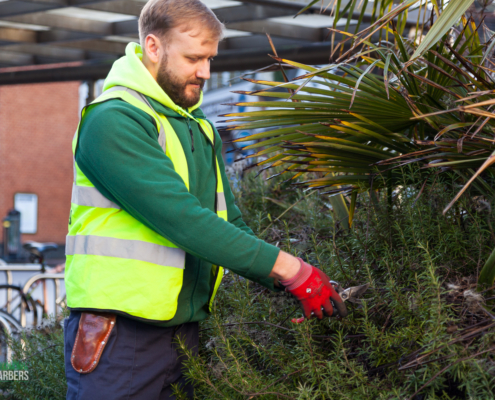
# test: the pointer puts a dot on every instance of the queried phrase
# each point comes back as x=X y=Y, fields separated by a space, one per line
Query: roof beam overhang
x=250 y=12
x=46 y=51
x=63 y=22
x=280 y=29
x=13 y=35
x=19 y=7
x=307 y=53
x=13 y=58
x=99 y=45
x=10 y=35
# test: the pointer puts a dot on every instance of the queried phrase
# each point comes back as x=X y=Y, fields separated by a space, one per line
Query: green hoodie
x=119 y=153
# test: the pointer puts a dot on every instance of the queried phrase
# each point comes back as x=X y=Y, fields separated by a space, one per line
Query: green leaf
x=487 y=274
x=449 y=16
x=341 y=210
x=311 y=4
x=352 y=208
x=359 y=81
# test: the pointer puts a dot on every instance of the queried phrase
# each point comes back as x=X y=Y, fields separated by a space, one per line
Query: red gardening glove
x=313 y=290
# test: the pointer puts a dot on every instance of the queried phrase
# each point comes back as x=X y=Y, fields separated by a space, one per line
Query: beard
x=176 y=88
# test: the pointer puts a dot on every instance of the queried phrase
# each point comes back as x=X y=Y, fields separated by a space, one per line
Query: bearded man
x=153 y=218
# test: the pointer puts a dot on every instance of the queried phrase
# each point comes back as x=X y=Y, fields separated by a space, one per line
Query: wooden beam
x=250 y=12
x=281 y=29
x=9 y=34
x=129 y=7
x=53 y=52
x=100 y=45
x=19 y=7
x=63 y=22
x=12 y=58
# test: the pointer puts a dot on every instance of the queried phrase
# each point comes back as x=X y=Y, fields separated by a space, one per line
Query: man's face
x=185 y=65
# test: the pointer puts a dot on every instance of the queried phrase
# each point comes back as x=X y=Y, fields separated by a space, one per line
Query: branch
x=269 y=324
x=446 y=368
x=40 y=351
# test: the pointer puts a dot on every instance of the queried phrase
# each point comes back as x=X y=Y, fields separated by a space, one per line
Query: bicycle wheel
x=9 y=326
x=20 y=306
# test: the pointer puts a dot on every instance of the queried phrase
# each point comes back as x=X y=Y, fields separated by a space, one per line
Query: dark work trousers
x=139 y=362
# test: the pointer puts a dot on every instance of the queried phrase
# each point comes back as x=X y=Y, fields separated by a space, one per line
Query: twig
x=274 y=393
x=40 y=351
x=428 y=362
x=386 y=322
x=446 y=368
x=281 y=215
x=416 y=361
x=486 y=290
x=252 y=323
x=487 y=313
x=277 y=381
x=290 y=315
x=269 y=324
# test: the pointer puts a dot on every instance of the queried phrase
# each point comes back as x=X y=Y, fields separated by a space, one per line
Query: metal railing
x=9 y=324
x=44 y=276
x=7 y=270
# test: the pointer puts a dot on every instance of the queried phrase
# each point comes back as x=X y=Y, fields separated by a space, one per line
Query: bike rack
x=8 y=330
x=6 y=320
x=8 y=268
x=56 y=280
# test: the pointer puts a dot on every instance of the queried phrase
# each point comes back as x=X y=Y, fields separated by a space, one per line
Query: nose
x=203 y=70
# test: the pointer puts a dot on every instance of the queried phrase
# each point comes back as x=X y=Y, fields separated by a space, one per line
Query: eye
x=192 y=59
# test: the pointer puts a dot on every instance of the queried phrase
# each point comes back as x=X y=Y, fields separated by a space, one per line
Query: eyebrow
x=201 y=55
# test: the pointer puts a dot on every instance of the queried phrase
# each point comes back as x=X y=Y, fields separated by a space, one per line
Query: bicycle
x=37 y=252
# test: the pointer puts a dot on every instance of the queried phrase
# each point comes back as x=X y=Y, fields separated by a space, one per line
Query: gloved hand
x=313 y=290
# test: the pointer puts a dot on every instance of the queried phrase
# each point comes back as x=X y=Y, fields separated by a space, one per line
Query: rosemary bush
x=420 y=334
x=40 y=352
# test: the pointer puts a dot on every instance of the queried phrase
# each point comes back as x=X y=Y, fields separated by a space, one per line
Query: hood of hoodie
x=129 y=71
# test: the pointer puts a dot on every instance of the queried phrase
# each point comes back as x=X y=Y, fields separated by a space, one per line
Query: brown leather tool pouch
x=92 y=336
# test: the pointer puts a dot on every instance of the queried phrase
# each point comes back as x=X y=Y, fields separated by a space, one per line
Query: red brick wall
x=37 y=123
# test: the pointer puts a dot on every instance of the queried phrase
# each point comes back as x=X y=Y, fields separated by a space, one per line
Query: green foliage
x=383 y=13
x=421 y=328
x=40 y=352
x=487 y=275
x=354 y=122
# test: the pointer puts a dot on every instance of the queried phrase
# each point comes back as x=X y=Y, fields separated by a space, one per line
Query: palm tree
x=380 y=106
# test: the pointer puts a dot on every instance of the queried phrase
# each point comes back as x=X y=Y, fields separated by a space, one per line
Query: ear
x=153 y=48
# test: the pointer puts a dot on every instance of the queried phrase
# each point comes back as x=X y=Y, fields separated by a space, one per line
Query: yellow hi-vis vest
x=116 y=263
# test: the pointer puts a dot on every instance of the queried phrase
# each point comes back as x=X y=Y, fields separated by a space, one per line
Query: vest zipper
x=191 y=132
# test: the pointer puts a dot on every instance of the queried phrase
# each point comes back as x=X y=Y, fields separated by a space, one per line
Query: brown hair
x=159 y=16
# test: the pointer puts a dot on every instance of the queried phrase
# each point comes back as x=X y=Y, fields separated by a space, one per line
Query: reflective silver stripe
x=128 y=249
x=161 y=135
x=140 y=97
x=114 y=89
x=75 y=170
x=221 y=203
x=91 y=197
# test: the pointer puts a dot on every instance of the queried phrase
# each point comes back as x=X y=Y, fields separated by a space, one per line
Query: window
x=27 y=205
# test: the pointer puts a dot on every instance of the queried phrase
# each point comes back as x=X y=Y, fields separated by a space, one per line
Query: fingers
x=327 y=307
x=318 y=313
x=307 y=310
x=325 y=279
x=339 y=304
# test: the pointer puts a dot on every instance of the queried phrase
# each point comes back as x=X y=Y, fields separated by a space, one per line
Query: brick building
x=37 y=123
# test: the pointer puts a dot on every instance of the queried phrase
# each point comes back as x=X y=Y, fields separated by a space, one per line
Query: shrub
x=40 y=352
x=420 y=334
